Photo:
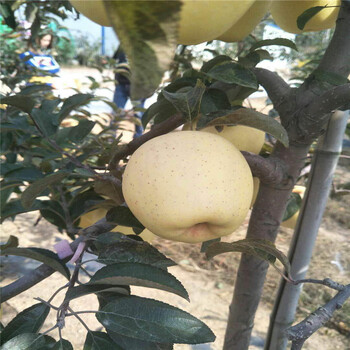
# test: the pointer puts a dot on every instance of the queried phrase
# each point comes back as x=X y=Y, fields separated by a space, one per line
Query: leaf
x=247 y=117
x=131 y=343
x=137 y=274
x=29 y=320
x=160 y=111
x=37 y=187
x=12 y=242
x=72 y=103
x=147 y=33
x=260 y=248
x=277 y=41
x=100 y=341
x=43 y=255
x=108 y=188
x=254 y=57
x=154 y=321
x=29 y=173
x=187 y=103
x=123 y=216
x=293 y=205
x=62 y=344
x=119 y=248
x=217 y=60
x=8 y=14
x=32 y=89
x=307 y=15
x=214 y=100
x=28 y=341
x=78 y=133
x=45 y=117
x=233 y=73
x=14 y=207
x=24 y=103
x=86 y=289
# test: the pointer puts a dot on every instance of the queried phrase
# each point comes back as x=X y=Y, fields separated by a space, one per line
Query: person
x=122 y=87
x=39 y=56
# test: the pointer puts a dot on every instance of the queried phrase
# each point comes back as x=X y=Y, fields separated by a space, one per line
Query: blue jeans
x=120 y=98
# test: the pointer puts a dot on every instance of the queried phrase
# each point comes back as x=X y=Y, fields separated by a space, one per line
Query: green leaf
x=137 y=274
x=32 y=89
x=108 y=188
x=8 y=14
x=307 y=15
x=37 y=187
x=187 y=103
x=86 y=289
x=123 y=216
x=79 y=132
x=233 y=73
x=53 y=212
x=43 y=255
x=214 y=100
x=24 y=103
x=29 y=173
x=132 y=343
x=72 y=103
x=12 y=242
x=117 y=248
x=100 y=341
x=293 y=205
x=28 y=341
x=153 y=321
x=147 y=33
x=159 y=111
x=29 y=320
x=46 y=118
x=260 y=248
x=217 y=60
x=254 y=57
x=14 y=207
x=247 y=117
x=62 y=344
x=277 y=41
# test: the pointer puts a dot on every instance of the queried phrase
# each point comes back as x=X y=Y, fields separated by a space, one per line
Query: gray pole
x=320 y=180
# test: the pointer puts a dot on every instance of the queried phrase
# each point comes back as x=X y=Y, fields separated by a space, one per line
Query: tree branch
x=299 y=333
x=159 y=129
x=268 y=170
x=43 y=271
x=330 y=101
x=277 y=89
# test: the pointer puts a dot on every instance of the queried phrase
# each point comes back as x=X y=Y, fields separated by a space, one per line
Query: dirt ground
x=209 y=283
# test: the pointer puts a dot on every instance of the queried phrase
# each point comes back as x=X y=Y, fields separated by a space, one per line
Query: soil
x=209 y=283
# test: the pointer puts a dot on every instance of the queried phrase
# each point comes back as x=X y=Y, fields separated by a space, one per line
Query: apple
x=286 y=13
x=94 y=10
x=205 y=20
x=292 y=221
x=95 y=215
x=200 y=20
x=188 y=186
x=246 y=24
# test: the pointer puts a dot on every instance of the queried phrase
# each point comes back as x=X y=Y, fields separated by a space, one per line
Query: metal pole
x=320 y=180
x=103 y=40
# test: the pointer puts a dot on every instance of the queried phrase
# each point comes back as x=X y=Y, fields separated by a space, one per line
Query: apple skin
x=93 y=216
x=188 y=186
x=205 y=20
x=285 y=14
x=292 y=221
x=94 y=10
x=246 y=24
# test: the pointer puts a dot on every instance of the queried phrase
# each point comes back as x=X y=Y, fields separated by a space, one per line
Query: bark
x=304 y=122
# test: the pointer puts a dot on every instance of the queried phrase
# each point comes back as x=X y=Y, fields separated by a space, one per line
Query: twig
x=159 y=129
x=79 y=318
x=326 y=282
x=299 y=333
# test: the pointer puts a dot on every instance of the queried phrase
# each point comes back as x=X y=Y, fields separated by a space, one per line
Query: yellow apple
x=93 y=216
x=205 y=20
x=94 y=10
x=291 y=222
x=188 y=186
x=286 y=13
x=246 y=24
